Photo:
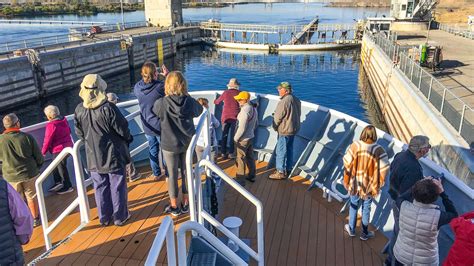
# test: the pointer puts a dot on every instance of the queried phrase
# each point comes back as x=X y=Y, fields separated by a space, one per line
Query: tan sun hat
x=93 y=91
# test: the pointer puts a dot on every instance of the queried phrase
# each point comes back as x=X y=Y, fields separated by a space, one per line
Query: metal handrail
x=402 y=60
x=204 y=233
x=464 y=32
x=80 y=201
x=258 y=256
x=165 y=232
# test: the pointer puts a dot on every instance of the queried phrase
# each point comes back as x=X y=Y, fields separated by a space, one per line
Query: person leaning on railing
x=420 y=221
x=57 y=136
x=21 y=161
x=176 y=112
x=106 y=136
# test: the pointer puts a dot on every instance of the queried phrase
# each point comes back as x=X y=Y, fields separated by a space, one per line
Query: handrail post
x=431 y=86
x=442 y=102
x=421 y=75
x=80 y=184
x=462 y=118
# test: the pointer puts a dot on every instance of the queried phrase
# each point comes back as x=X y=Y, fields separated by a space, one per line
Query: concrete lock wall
x=65 y=68
x=17 y=83
x=407 y=113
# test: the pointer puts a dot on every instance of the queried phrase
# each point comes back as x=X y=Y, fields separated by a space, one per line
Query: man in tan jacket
x=286 y=121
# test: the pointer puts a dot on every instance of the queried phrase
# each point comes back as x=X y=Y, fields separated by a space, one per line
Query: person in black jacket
x=105 y=133
x=176 y=112
x=405 y=171
x=148 y=90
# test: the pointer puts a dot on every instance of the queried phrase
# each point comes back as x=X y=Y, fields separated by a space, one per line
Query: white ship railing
x=204 y=233
x=165 y=232
x=80 y=201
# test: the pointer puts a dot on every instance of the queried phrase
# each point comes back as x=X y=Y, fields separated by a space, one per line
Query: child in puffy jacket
x=462 y=251
x=57 y=137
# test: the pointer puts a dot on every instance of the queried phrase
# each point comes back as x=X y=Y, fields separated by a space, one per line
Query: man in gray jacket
x=243 y=138
x=286 y=121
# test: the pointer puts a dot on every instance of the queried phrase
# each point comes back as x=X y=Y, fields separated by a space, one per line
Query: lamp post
x=121 y=11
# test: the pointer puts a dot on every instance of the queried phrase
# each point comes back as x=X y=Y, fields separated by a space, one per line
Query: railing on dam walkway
x=456 y=30
x=456 y=111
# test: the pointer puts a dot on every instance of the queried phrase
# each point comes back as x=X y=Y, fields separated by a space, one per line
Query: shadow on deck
x=301 y=227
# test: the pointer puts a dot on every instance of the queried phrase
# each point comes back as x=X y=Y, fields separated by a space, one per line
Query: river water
x=331 y=78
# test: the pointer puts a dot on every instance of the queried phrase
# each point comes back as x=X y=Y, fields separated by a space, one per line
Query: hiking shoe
x=347 y=228
x=277 y=176
x=105 y=223
x=56 y=187
x=158 y=178
x=120 y=223
x=250 y=178
x=184 y=208
x=65 y=190
x=37 y=222
x=173 y=211
x=364 y=236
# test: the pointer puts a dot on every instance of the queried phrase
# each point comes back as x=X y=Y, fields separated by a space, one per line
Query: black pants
x=228 y=130
x=60 y=173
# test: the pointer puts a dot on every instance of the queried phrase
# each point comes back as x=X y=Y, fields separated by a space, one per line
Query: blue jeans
x=284 y=153
x=228 y=131
x=154 y=149
x=355 y=204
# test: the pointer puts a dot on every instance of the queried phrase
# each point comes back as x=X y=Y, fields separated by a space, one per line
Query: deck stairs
x=305 y=35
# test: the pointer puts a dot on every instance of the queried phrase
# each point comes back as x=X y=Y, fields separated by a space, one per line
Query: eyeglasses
x=429 y=146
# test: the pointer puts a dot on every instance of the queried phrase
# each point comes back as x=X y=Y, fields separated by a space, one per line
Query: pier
x=49 y=22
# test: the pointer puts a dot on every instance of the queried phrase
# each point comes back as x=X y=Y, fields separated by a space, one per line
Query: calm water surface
x=327 y=78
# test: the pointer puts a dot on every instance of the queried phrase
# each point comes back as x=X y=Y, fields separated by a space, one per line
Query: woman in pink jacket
x=57 y=137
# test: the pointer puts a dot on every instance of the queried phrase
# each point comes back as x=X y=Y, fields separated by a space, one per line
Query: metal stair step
x=204 y=259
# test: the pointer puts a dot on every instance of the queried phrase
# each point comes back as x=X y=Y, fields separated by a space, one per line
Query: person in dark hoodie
x=104 y=130
x=148 y=90
x=176 y=112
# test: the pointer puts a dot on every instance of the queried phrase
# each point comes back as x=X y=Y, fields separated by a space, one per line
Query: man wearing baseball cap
x=286 y=121
x=246 y=124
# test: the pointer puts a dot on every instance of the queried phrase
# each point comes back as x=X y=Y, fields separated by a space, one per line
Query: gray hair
x=51 y=111
x=417 y=143
x=112 y=97
x=10 y=120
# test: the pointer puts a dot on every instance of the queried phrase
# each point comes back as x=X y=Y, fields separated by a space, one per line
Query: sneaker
x=37 y=222
x=348 y=230
x=232 y=156
x=277 y=176
x=173 y=211
x=65 y=190
x=158 y=178
x=105 y=223
x=184 y=208
x=225 y=156
x=56 y=187
x=364 y=236
x=120 y=223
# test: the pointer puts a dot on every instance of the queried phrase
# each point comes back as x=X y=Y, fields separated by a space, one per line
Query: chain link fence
x=457 y=112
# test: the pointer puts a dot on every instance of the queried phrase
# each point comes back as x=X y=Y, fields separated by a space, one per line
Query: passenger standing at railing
x=176 y=112
x=405 y=171
x=21 y=162
x=214 y=124
x=230 y=110
x=286 y=121
x=57 y=136
x=16 y=225
x=366 y=165
x=420 y=221
x=148 y=90
x=246 y=123
x=106 y=136
x=131 y=171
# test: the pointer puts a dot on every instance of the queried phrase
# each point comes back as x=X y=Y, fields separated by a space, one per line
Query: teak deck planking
x=301 y=227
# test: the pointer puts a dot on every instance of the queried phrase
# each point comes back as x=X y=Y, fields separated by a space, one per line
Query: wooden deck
x=301 y=228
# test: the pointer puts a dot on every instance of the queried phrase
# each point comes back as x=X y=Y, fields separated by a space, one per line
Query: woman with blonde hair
x=366 y=165
x=148 y=90
x=176 y=112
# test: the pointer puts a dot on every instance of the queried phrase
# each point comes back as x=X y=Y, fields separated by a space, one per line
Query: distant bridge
x=49 y=22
